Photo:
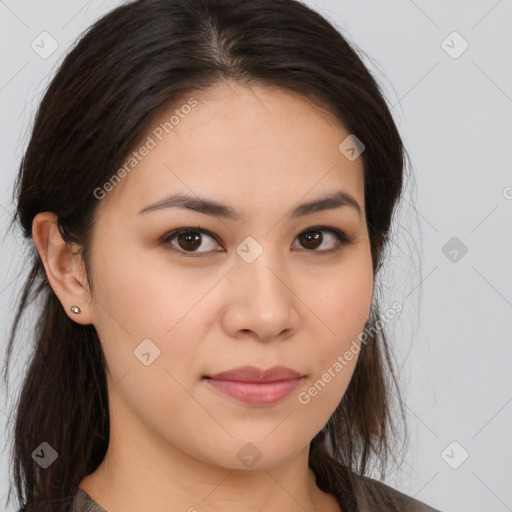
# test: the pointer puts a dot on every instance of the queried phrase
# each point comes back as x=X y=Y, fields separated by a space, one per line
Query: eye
x=188 y=240
x=313 y=238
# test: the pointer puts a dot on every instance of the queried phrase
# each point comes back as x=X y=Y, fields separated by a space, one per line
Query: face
x=261 y=287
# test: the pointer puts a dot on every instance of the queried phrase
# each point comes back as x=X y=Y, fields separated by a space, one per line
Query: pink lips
x=254 y=386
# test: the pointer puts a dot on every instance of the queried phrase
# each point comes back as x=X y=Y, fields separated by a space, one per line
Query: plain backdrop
x=446 y=70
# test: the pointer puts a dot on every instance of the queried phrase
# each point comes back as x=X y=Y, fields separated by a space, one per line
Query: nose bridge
x=260 y=271
x=257 y=254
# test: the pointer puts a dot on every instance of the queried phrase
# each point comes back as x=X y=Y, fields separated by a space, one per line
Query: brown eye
x=313 y=239
x=189 y=240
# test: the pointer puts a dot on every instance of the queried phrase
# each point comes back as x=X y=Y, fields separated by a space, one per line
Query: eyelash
x=343 y=240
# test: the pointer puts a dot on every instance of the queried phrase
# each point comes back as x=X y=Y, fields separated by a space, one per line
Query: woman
x=209 y=187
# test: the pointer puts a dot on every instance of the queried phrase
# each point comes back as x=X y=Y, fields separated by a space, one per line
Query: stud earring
x=75 y=309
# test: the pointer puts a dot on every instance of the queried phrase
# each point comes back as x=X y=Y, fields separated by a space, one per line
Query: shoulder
x=76 y=501
x=84 y=503
x=376 y=496
x=358 y=493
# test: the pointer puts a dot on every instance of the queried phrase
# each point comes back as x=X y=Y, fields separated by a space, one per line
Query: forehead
x=247 y=147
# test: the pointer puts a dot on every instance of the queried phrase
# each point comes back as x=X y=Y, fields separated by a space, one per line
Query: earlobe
x=62 y=268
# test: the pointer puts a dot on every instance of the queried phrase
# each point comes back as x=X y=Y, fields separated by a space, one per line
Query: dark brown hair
x=129 y=66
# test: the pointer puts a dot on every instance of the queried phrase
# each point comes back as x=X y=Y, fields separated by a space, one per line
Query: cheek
x=343 y=304
x=344 y=298
x=131 y=291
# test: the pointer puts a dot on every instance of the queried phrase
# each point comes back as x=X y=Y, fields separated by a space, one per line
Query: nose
x=262 y=301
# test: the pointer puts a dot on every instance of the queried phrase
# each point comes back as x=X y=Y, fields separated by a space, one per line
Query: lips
x=253 y=374
x=254 y=386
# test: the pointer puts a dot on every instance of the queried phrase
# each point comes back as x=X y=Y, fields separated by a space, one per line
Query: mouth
x=254 y=386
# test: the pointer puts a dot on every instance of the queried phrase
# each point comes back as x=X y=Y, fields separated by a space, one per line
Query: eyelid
x=341 y=236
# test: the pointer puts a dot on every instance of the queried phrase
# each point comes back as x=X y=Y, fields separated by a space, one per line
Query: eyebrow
x=215 y=209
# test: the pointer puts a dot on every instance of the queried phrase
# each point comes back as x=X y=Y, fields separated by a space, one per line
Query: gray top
x=84 y=503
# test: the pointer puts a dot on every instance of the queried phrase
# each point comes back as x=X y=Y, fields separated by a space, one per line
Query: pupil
x=312 y=238
x=192 y=238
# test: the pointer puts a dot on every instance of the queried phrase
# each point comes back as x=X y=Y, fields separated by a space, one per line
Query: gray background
x=454 y=337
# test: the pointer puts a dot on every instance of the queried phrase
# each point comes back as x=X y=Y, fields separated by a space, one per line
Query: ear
x=64 y=267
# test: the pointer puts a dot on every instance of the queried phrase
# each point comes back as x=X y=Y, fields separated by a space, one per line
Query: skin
x=174 y=440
